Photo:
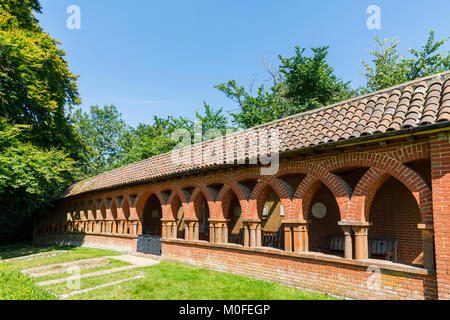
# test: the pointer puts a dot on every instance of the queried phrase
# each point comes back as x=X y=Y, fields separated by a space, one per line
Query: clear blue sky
x=164 y=57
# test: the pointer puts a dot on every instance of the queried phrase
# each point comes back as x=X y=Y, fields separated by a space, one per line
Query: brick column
x=218 y=231
x=109 y=218
x=440 y=176
x=169 y=229
x=133 y=219
x=188 y=231
x=428 y=245
x=252 y=233
x=348 y=249
x=191 y=231
x=296 y=235
x=361 y=242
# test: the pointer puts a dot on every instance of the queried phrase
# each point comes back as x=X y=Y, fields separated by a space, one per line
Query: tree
x=39 y=148
x=311 y=82
x=389 y=68
x=212 y=120
x=102 y=131
x=146 y=141
x=301 y=83
x=263 y=107
x=30 y=177
x=36 y=85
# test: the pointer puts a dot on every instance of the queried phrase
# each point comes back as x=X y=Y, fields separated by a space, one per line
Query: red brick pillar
x=133 y=219
x=218 y=231
x=361 y=242
x=296 y=235
x=348 y=249
x=252 y=233
x=440 y=175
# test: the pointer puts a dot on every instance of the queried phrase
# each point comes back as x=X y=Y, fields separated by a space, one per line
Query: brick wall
x=331 y=275
x=100 y=241
x=440 y=164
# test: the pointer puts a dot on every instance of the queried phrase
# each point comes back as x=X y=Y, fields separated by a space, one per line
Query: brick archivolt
x=354 y=205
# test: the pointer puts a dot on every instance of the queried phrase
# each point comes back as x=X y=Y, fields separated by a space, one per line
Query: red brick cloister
x=379 y=164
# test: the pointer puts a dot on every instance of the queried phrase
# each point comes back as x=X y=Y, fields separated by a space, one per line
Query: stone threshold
x=313 y=256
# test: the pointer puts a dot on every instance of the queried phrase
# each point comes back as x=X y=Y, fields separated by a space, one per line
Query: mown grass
x=176 y=281
x=15 y=285
x=165 y=281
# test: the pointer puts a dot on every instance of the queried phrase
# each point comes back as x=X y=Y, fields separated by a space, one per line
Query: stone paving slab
x=65 y=296
x=84 y=265
x=139 y=261
x=136 y=262
x=34 y=270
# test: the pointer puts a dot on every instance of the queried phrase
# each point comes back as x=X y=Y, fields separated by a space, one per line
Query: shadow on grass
x=21 y=250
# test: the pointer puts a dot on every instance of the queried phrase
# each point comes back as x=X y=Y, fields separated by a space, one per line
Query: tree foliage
x=388 y=68
x=30 y=177
x=301 y=83
x=102 y=131
x=39 y=147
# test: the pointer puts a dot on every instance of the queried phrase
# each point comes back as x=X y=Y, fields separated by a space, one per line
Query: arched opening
x=324 y=233
x=233 y=213
x=271 y=213
x=151 y=216
x=203 y=215
x=395 y=215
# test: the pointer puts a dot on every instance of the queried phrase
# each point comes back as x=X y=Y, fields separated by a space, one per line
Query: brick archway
x=340 y=189
x=262 y=190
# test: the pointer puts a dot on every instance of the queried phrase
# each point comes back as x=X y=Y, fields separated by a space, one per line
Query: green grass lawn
x=176 y=281
x=165 y=281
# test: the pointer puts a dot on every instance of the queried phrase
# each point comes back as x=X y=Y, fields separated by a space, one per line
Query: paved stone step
x=33 y=270
x=65 y=296
x=87 y=275
x=83 y=265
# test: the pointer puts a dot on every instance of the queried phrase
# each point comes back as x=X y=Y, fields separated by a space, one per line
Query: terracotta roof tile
x=419 y=103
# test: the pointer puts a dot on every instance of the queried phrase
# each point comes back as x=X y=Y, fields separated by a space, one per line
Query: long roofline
x=384 y=109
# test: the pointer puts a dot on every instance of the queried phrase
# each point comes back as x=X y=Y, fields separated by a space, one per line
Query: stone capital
x=355 y=223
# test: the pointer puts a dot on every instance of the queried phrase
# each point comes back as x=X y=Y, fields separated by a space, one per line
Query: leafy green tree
x=30 y=177
x=146 y=141
x=263 y=107
x=102 y=131
x=310 y=81
x=301 y=83
x=212 y=119
x=36 y=85
x=39 y=148
x=388 y=68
